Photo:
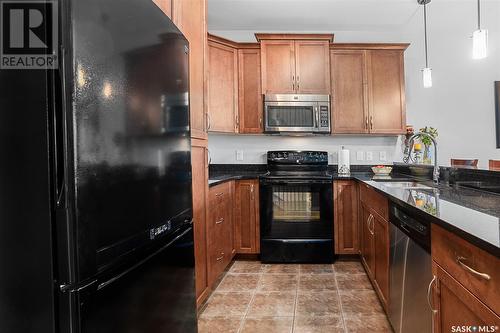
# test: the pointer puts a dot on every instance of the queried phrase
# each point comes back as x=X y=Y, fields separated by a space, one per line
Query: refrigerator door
x=155 y=295
x=131 y=173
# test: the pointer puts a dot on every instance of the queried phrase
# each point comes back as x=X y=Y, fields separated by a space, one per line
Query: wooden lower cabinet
x=199 y=163
x=456 y=307
x=345 y=221
x=246 y=216
x=220 y=229
x=367 y=248
x=380 y=228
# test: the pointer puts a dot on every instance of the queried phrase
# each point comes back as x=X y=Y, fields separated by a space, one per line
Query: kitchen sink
x=407 y=185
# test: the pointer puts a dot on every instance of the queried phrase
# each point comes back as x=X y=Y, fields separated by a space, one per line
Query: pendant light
x=427 y=71
x=479 y=38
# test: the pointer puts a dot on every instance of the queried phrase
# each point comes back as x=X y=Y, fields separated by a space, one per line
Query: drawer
x=219 y=194
x=374 y=200
x=477 y=270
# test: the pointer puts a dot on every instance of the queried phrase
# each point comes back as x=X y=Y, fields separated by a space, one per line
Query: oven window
x=295 y=204
x=290 y=116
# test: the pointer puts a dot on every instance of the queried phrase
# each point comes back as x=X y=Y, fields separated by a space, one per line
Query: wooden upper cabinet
x=295 y=63
x=249 y=91
x=349 y=94
x=312 y=67
x=246 y=217
x=345 y=221
x=190 y=17
x=222 y=87
x=278 y=66
x=386 y=91
x=165 y=6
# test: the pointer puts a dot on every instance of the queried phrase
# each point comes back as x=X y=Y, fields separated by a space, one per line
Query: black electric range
x=296 y=208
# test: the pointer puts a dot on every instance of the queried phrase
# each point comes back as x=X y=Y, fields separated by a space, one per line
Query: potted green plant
x=427 y=142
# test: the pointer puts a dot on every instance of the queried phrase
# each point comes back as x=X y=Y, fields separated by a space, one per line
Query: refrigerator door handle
x=140 y=263
x=59 y=138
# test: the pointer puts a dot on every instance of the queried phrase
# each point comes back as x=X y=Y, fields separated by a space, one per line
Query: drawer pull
x=219 y=194
x=429 y=293
x=221 y=257
x=460 y=261
x=219 y=221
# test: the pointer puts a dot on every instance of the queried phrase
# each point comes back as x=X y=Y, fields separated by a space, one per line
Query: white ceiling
x=312 y=15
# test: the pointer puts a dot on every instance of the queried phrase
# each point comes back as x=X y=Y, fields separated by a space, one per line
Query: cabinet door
x=346 y=217
x=278 y=66
x=380 y=228
x=200 y=198
x=312 y=67
x=349 y=92
x=222 y=87
x=190 y=18
x=457 y=307
x=386 y=91
x=367 y=241
x=246 y=216
x=249 y=92
x=165 y=6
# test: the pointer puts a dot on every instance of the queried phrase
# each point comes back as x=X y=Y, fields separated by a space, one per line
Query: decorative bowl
x=382 y=170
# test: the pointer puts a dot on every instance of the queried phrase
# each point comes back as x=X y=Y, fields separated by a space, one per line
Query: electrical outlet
x=360 y=155
x=239 y=155
x=369 y=156
x=383 y=156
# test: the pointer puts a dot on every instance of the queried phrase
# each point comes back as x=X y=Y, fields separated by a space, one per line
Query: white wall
x=460 y=104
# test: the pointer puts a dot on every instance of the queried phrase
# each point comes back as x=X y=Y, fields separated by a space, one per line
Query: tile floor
x=255 y=297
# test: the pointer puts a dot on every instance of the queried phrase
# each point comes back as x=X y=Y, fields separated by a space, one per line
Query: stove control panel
x=297 y=157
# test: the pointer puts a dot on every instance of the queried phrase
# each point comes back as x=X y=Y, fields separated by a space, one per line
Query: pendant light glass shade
x=427 y=77
x=480 y=44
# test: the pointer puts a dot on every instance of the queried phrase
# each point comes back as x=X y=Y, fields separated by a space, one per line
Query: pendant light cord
x=425 y=36
x=478 y=14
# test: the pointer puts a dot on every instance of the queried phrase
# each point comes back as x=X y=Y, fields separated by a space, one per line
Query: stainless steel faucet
x=435 y=174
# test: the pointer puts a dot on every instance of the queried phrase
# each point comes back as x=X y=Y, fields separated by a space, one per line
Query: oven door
x=291 y=117
x=296 y=209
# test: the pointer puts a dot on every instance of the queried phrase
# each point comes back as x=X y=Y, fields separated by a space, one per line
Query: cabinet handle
x=298 y=82
x=209 y=123
x=373 y=225
x=460 y=261
x=366 y=124
x=368 y=221
x=219 y=221
x=221 y=257
x=371 y=122
x=293 y=82
x=219 y=194
x=429 y=293
x=252 y=192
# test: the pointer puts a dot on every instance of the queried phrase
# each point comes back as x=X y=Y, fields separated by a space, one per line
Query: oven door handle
x=294 y=182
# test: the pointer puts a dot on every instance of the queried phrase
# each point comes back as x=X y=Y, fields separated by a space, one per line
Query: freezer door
x=155 y=295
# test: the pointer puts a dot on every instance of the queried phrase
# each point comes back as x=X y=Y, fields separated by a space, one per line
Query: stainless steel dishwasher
x=410 y=272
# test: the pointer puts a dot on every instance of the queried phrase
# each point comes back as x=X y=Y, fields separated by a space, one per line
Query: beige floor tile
x=325 y=303
x=268 y=325
x=239 y=282
x=227 y=304
x=278 y=282
x=219 y=324
x=353 y=281
x=317 y=282
x=367 y=323
x=272 y=304
x=316 y=269
x=253 y=267
x=330 y=324
x=349 y=267
x=281 y=268
x=357 y=302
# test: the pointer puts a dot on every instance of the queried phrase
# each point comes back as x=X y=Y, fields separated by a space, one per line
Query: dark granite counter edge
x=361 y=177
x=484 y=245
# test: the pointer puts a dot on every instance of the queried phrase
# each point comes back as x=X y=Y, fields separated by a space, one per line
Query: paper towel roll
x=344 y=166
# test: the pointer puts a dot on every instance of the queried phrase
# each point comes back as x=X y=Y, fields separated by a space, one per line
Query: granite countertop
x=473 y=215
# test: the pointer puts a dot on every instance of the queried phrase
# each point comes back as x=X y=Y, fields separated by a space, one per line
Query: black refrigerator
x=95 y=178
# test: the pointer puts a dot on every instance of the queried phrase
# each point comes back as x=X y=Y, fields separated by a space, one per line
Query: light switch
x=360 y=155
x=239 y=155
x=383 y=156
x=369 y=156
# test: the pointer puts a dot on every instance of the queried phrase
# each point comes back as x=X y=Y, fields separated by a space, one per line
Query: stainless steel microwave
x=298 y=113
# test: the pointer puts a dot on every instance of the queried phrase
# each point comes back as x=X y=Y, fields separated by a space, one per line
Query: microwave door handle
x=316 y=118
